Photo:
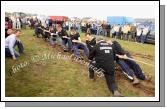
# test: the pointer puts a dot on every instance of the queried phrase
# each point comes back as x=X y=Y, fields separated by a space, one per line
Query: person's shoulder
x=12 y=36
x=115 y=42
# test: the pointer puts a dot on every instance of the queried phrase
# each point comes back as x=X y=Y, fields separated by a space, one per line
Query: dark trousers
x=78 y=46
x=36 y=31
x=109 y=75
x=117 y=35
x=125 y=67
x=113 y=35
x=108 y=32
x=17 y=54
x=136 y=69
x=8 y=54
x=66 y=41
x=20 y=46
x=143 y=38
x=138 y=38
x=131 y=68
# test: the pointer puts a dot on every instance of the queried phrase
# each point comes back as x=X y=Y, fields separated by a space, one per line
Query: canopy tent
x=58 y=18
x=119 y=20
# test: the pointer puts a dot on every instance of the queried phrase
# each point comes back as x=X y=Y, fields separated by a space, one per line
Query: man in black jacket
x=90 y=41
x=103 y=54
x=130 y=68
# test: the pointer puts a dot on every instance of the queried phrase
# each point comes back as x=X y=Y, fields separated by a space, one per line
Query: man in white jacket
x=10 y=43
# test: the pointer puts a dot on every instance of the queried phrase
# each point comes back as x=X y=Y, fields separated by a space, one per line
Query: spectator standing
x=88 y=26
x=144 y=34
x=108 y=29
x=18 y=23
x=138 y=34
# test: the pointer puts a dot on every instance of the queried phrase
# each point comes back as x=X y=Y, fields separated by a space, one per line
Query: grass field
x=62 y=77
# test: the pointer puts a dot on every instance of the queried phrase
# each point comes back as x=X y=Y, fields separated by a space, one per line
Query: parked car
x=150 y=38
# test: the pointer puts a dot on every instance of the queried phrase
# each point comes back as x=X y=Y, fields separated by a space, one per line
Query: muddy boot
x=117 y=94
x=135 y=81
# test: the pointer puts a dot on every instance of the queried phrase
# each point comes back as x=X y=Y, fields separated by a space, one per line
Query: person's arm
x=65 y=35
x=122 y=56
x=89 y=45
x=118 y=49
x=11 y=47
x=79 y=39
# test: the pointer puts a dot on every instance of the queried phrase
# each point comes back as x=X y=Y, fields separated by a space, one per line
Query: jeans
x=125 y=67
x=138 y=38
x=143 y=38
x=78 y=46
x=99 y=30
x=66 y=41
x=117 y=35
x=136 y=69
x=79 y=28
x=131 y=68
x=53 y=40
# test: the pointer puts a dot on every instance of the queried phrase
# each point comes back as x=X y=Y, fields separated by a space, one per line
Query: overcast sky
x=99 y=11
